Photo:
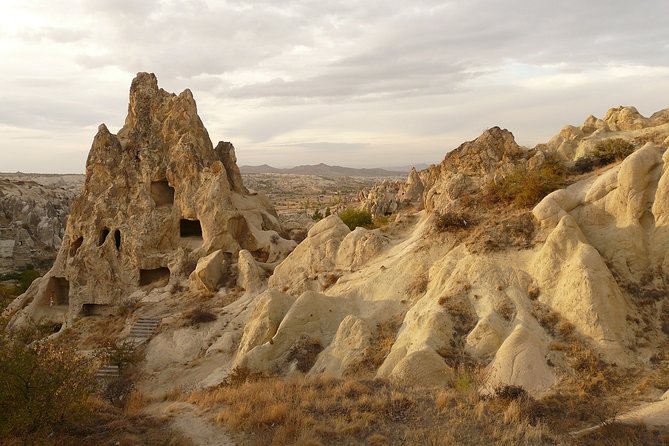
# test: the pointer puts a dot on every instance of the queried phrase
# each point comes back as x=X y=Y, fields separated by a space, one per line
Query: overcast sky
x=354 y=83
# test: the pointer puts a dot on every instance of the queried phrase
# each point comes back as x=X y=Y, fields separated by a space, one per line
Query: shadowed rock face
x=157 y=197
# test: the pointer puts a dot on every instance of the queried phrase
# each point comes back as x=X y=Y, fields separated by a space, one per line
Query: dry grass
x=618 y=434
x=197 y=316
x=320 y=410
x=109 y=426
x=419 y=286
x=135 y=403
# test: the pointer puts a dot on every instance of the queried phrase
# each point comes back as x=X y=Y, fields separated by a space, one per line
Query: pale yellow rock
x=249 y=276
x=270 y=309
x=313 y=318
x=358 y=247
x=520 y=361
x=575 y=281
x=349 y=345
x=426 y=327
x=157 y=198
x=315 y=255
x=208 y=272
x=423 y=367
x=626 y=123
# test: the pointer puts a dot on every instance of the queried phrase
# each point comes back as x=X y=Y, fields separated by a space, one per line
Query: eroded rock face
x=591 y=277
x=574 y=142
x=157 y=198
x=32 y=220
x=462 y=173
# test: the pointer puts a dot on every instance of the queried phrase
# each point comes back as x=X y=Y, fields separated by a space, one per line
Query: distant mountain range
x=324 y=170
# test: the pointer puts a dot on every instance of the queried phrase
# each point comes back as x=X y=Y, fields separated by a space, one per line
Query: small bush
x=198 y=316
x=317 y=215
x=614 y=149
x=355 y=217
x=42 y=387
x=453 y=221
x=117 y=390
x=605 y=152
x=524 y=187
x=304 y=352
x=585 y=164
x=119 y=354
x=511 y=392
x=27 y=278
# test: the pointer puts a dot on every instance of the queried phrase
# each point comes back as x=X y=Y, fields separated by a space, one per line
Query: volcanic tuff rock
x=597 y=268
x=32 y=220
x=158 y=197
x=462 y=172
x=573 y=142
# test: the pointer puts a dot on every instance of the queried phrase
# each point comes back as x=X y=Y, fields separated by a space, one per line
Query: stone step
x=108 y=371
x=143 y=329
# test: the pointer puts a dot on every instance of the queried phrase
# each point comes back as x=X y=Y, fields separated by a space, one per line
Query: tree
x=355 y=217
x=43 y=386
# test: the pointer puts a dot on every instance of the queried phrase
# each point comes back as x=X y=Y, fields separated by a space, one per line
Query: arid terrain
x=508 y=295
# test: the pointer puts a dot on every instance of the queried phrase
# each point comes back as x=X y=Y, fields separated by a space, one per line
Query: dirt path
x=185 y=418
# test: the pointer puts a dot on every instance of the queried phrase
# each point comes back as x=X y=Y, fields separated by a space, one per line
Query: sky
x=354 y=83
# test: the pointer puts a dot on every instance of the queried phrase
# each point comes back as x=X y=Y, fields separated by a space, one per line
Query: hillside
x=506 y=296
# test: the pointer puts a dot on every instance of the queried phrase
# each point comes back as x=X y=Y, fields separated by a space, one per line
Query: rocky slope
x=33 y=213
x=568 y=296
x=592 y=261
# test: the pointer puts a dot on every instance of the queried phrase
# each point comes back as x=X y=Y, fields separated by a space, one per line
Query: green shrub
x=613 y=149
x=585 y=164
x=355 y=217
x=605 y=152
x=524 y=187
x=317 y=215
x=43 y=387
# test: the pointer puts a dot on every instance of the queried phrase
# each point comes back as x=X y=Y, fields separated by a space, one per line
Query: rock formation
x=32 y=220
x=573 y=142
x=597 y=262
x=158 y=198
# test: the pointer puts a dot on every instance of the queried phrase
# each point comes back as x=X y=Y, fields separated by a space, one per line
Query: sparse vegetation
x=22 y=280
x=197 y=316
x=356 y=217
x=450 y=221
x=317 y=215
x=380 y=345
x=303 y=353
x=525 y=187
x=605 y=152
x=320 y=410
x=43 y=387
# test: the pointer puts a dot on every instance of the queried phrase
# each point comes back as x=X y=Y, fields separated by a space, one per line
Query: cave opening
x=156 y=276
x=162 y=193
x=103 y=236
x=117 y=239
x=75 y=245
x=58 y=292
x=190 y=228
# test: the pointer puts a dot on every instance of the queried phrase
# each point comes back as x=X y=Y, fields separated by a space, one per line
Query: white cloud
x=346 y=82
